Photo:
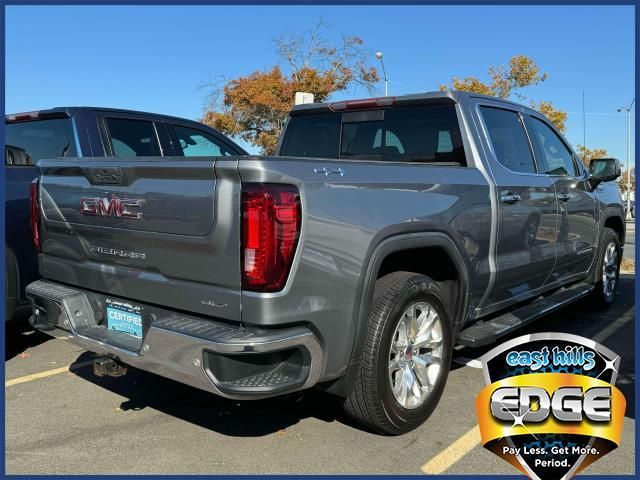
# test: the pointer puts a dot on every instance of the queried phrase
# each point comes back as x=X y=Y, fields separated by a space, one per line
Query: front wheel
x=406 y=356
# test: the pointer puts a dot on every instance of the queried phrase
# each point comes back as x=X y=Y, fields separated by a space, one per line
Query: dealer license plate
x=124 y=317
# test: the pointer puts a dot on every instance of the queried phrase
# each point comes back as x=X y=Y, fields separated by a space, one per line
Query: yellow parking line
x=454 y=452
x=45 y=374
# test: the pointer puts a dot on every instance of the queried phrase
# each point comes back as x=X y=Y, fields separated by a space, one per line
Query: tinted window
x=28 y=142
x=195 y=143
x=402 y=134
x=132 y=138
x=557 y=157
x=406 y=134
x=361 y=139
x=312 y=136
x=509 y=139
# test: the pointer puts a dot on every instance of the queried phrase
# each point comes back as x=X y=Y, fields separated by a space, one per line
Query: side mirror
x=603 y=170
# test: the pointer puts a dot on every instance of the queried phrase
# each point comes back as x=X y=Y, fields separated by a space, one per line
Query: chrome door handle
x=510 y=198
x=564 y=196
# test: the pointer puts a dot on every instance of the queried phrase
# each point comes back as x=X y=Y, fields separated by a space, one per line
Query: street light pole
x=628 y=110
x=384 y=72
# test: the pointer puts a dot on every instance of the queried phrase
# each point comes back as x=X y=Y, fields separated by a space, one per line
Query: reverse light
x=271 y=217
x=35 y=213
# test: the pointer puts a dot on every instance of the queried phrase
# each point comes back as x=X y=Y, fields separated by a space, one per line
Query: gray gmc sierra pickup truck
x=385 y=232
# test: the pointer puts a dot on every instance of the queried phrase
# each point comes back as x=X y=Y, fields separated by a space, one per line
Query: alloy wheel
x=415 y=357
x=610 y=269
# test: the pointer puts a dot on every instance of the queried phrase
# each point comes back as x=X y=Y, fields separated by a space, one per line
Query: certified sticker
x=550 y=407
x=124 y=317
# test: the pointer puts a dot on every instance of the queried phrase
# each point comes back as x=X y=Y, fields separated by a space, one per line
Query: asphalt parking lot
x=62 y=419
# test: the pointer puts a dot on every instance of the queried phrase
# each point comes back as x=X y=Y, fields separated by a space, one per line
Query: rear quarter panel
x=345 y=218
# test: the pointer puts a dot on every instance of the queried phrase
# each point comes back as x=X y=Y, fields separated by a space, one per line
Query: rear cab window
x=422 y=134
x=26 y=142
x=312 y=135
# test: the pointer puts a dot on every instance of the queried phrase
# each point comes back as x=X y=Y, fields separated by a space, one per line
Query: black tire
x=371 y=401
x=600 y=297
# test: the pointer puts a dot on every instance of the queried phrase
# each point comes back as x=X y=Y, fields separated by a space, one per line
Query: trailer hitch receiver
x=108 y=367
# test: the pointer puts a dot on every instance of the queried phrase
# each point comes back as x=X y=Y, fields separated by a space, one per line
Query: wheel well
x=615 y=223
x=433 y=262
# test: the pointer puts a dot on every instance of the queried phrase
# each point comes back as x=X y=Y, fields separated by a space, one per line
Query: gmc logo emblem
x=112 y=207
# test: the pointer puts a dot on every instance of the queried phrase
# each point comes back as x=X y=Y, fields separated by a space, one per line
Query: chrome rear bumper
x=218 y=357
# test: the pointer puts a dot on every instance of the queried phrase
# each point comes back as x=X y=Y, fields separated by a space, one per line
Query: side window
x=557 y=157
x=445 y=145
x=132 y=138
x=195 y=143
x=509 y=139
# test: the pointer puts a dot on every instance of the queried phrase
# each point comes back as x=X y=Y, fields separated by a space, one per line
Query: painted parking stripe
x=468 y=362
x=454 y=452
x=47 y=373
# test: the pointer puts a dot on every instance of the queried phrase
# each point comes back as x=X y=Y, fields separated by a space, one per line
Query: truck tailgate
x=161 y=230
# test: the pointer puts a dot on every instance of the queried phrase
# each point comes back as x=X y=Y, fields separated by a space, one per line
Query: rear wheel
x=406 y=355
x=608 y=269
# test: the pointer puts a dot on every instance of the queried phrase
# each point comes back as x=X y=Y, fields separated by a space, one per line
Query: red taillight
x=270 y=231
x=380 y=102
x=35 y=213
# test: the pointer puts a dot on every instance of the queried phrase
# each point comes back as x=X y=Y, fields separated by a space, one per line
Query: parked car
x=385 y=232
x=82 y=132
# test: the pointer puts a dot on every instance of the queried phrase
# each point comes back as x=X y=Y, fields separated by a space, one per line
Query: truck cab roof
x=91 y=133
x=70 y=111
x=444 y=97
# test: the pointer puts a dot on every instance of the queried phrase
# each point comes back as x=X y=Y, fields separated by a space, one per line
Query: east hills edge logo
x=550 y=407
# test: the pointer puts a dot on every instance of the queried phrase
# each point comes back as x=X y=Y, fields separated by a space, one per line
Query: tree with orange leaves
x=255 y=107
x=522 y=71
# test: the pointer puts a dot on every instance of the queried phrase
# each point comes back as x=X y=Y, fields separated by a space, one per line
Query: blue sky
x=155 y=58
